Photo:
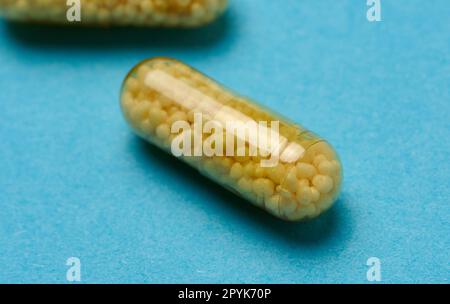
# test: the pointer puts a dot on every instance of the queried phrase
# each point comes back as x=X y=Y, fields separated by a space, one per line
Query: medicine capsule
x=169 y=13
x=275 y=164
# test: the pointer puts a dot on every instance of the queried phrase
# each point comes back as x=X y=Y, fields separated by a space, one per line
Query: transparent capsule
x=169 y=13
x=275 y=164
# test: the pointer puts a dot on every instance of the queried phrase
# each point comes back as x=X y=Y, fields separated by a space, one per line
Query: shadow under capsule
x=115 y=37
x=328 y=228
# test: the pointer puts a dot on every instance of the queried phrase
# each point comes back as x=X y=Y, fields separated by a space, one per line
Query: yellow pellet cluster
x=160 y=91
x=170 y=13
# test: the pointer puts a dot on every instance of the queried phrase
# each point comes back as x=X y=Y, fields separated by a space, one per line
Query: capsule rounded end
x=311 y=185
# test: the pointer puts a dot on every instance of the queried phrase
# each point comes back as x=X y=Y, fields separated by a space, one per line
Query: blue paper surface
x=75 y=182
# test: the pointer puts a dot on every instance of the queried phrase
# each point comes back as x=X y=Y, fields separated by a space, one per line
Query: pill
x=167 y=13
x=275 y=164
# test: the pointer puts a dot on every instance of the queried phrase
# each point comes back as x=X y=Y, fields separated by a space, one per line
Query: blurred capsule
x=165 y=13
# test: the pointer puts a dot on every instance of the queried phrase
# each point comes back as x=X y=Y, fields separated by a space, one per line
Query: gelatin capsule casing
x=168 y=13
x=272 y=162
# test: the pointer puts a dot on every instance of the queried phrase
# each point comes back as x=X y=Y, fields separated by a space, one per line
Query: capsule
x=166 y=13
x=263 y=157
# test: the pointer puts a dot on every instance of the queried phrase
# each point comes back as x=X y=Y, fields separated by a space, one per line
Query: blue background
x=74 y=181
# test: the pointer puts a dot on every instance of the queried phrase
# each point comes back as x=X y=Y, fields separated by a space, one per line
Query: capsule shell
x=263 y=157
x=166 y=13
